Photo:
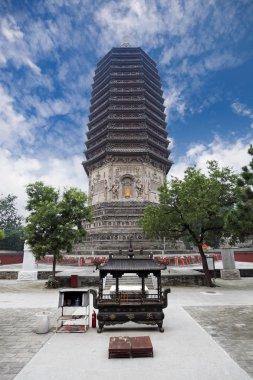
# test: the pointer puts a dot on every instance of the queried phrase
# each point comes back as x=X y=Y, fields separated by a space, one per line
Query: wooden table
x=125 y=347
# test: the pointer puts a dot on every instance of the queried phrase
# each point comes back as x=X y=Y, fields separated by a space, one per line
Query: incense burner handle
x=165 y=298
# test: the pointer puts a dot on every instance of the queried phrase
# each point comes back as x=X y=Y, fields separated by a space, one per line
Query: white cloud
x=178 y=169
x=195 y=151
x=20 y=171
x=13 y=125
x=10 y=30
x=234 y=155
x=51 y=107
x=40 y=36
x=217 y=61
x=18 y=136
x=32 y=66
x=174 y=101
x=141 y=21
x=13 y=46
x=171 y=142
x=242 y=109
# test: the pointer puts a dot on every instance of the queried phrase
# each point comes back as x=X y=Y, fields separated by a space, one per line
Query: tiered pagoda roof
x=127 y=113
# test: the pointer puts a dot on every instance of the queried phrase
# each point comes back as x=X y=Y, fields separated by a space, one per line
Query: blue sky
x=48 y=53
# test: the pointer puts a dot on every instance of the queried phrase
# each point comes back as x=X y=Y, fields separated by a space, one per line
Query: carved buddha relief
x=127 y=187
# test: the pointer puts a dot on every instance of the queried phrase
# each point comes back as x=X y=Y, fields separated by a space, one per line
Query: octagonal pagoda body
x=127 y=145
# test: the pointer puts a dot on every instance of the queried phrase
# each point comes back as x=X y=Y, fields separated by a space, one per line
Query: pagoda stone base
x=113 y=226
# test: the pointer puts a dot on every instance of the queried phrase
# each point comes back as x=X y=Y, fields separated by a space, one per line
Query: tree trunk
x=54 y=266
x=205 y=267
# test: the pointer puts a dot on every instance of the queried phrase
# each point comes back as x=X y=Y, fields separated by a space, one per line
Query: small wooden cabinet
x=74 y=309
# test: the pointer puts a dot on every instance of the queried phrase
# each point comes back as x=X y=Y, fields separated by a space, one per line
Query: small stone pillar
x=28 y=271
x=229 y=272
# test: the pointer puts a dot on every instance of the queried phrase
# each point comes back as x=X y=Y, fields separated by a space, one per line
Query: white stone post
x=229 y=272
x=28 y=271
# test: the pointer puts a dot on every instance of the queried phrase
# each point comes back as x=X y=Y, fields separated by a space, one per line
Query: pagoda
x=127 y=156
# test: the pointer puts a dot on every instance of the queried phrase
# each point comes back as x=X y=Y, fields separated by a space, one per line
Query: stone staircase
x=128 y=279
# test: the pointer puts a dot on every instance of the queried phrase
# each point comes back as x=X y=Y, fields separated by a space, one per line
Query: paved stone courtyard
x=225 y=313
x=18 y=341
x=231 y=327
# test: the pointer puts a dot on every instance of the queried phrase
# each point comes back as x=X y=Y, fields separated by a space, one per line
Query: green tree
x=55 y=222
x=11 y=224
x=193 y=208
x=240 y=219
x=1 y=234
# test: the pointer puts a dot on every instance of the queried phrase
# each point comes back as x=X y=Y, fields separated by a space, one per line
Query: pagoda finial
x=125 y=43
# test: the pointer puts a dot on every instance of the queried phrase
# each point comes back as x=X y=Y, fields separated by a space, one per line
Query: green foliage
x=1 y=234
x=54 y=223
x=52 y=283
x=11 y=224
x=240 y=219
x=193 y=208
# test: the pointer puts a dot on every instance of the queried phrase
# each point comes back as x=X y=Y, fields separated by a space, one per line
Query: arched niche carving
x=127 y=186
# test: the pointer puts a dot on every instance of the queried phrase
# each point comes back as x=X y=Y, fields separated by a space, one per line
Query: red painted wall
x=244 y=256
x=11 y=258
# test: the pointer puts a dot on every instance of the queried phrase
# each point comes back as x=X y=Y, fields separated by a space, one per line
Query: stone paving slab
x=18 y=340
x=231 y=327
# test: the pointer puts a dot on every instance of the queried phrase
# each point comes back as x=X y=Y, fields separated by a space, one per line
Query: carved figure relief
x=115 y=190
x=137 y=170
x=98 y=176
x=139 y=188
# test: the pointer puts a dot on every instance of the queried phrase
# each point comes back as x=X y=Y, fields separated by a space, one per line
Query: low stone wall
x=8 y=275
x=13 y=275
x=87 y=281
x=167 y=280
x=44 y=275
x=246 y=272
x=183 y=280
